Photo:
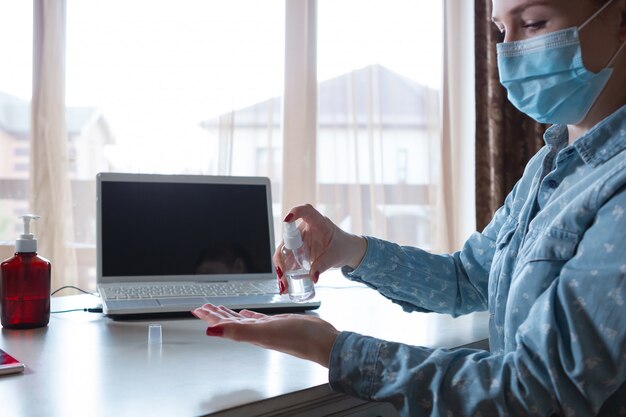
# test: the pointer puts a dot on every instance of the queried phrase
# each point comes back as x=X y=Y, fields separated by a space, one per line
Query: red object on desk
x=25 y=291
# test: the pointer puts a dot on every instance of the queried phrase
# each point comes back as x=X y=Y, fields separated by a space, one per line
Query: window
x=16 y=29
x=152 y=81
x=154 y=90
x=379 y=70
x=402 y=165
x=196 y=87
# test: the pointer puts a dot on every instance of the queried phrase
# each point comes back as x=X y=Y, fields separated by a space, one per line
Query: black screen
x=161 y=228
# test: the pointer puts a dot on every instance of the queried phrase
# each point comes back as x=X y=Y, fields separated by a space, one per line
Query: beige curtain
x=505 y=138
x=453 y=198
x=49 y=183
x=380 y=157
x=350 y=144
x=225 y=133
x=378 y=140
x=366 y=191
x=299 y=120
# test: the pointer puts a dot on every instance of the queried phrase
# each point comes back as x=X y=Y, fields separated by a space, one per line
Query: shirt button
x=552 y=184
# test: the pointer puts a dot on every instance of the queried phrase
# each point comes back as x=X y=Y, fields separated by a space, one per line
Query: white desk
x=86 y=364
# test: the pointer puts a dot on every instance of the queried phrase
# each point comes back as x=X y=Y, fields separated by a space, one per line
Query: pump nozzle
x=293 y=242
x=27 y=242
x=27 y=218
x=292 y=236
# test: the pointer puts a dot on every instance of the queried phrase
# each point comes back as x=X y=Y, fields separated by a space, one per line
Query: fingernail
x=199 y=313
x=317 y=276
x=215 y=331
x=279 y=272
x=288 y=218
x=281 y=287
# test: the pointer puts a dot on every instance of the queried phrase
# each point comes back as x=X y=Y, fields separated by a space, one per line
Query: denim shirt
x=551 y=270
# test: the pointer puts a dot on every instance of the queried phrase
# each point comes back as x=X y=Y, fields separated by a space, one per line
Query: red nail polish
x=288 y=218
x=317 y=276
x=279 y=272
x=215 y=331
x=281 y=287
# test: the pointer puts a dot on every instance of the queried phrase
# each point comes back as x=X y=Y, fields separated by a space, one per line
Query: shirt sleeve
x=417 y=280
x=570 y=357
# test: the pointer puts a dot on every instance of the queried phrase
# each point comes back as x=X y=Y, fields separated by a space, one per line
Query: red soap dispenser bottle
x=25 y=284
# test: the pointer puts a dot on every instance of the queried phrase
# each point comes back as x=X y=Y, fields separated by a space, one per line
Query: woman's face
x=600 y=38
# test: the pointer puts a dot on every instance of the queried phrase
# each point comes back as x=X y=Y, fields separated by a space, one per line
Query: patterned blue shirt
x=551 y=270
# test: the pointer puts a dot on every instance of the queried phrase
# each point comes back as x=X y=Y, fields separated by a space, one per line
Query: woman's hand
x=328 y=245
x=299 y=335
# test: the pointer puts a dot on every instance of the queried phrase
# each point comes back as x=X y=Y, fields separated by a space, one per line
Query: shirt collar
x=605 y=140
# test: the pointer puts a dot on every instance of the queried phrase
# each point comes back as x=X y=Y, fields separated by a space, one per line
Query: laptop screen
x=183 y=227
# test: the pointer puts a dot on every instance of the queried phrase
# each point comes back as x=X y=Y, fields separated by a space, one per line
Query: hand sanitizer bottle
x=25 y=284
x=297 y=265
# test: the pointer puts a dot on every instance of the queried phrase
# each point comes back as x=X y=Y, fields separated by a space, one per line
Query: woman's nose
x=511 y=36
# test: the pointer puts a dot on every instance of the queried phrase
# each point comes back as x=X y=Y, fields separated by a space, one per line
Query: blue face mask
x=545 y=76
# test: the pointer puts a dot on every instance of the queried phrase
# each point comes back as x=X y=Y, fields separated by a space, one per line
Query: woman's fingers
x=228 y=313
x=203 y=312
x=252 y=314
x=280 y=275
x=328 y=245
x=316 y=232
x=306 y=212
x=214 y=314
x=300 y=335
x=309 y=215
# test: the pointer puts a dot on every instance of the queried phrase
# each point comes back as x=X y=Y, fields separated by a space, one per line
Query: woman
x=550 y=267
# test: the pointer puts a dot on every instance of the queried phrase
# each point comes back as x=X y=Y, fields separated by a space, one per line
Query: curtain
x=505 y=138
x=383 y=167
x=379 y=150
x=50 y=191
x=366 y=148
x=225 y=143
x=299 y=103
x=457 y=107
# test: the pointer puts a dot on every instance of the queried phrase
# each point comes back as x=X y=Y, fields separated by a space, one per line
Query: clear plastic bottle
x=25 y=286
x=297 y=265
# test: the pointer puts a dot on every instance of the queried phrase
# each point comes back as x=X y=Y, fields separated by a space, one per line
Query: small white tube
x=155 y=335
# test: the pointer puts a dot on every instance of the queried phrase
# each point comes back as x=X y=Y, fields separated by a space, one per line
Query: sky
x=16 y=41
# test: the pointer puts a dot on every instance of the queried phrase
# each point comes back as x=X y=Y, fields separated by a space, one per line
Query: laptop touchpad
x=183 y=301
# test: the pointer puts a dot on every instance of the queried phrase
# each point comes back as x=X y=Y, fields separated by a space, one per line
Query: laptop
x=168 y=244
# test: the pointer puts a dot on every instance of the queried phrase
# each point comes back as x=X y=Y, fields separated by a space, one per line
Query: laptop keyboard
x=208 y=289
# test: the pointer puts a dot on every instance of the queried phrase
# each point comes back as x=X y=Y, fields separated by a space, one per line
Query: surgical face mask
x=545 y=76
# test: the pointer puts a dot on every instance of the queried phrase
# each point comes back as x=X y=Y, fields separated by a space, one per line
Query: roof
x=15 y=117
x=396 y=101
